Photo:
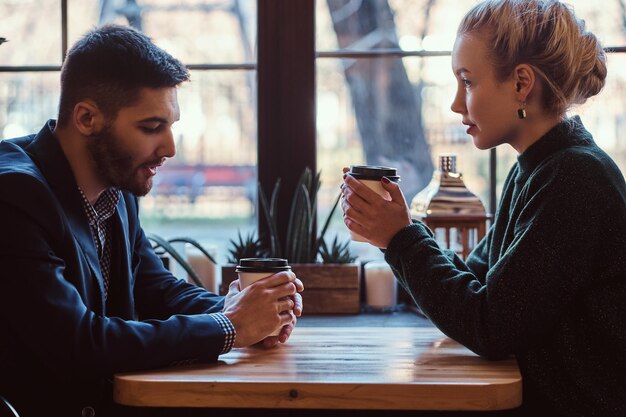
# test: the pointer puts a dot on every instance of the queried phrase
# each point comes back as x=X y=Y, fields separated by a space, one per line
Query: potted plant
x=329 y=274
x=165 y=249
x=248 y=246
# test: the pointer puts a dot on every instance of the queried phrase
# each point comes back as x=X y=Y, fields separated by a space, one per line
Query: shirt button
x=88 y=412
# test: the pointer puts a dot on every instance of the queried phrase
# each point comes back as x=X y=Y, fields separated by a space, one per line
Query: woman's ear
x=524 y=78
x=88 y=118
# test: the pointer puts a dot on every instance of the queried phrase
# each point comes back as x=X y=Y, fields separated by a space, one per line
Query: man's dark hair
x=110 y=65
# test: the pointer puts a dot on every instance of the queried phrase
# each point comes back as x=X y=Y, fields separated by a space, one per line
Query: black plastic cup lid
x=262 y=265
x=371 y=172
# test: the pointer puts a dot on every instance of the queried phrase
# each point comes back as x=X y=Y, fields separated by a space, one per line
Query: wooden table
x=384 y=368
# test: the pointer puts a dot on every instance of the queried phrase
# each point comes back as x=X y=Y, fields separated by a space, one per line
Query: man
x=82 y=294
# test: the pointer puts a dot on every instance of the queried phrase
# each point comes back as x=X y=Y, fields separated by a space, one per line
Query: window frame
x=286 y=93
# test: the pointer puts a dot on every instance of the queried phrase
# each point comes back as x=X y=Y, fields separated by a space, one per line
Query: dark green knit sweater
x=548 y=282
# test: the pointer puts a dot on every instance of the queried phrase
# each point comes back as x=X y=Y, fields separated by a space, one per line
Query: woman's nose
x=458 y=104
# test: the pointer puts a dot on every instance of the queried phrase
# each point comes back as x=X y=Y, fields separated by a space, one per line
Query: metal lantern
x=456 y=216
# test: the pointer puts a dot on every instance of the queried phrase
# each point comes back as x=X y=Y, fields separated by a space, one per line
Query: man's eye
x=467 y=83
x=150 y=129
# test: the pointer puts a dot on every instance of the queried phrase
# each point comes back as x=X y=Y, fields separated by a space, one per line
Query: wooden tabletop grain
x=384 y=368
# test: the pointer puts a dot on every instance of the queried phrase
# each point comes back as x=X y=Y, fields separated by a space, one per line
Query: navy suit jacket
x=60 y=342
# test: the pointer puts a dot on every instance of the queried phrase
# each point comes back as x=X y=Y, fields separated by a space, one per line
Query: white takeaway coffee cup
x=371 y=176
x=251 y=270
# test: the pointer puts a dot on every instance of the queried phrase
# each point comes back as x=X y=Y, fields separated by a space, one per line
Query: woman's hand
x=370 y=215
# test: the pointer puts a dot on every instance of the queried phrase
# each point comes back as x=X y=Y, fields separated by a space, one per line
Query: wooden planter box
x=328 y=288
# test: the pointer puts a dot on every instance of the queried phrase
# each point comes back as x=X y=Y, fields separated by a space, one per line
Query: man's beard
x=114 y=166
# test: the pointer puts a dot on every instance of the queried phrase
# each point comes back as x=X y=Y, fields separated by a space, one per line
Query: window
x=334 y=83
x=385 y=86
x=208 y=190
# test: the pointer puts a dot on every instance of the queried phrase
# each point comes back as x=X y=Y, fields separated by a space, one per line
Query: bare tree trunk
x=622 y=5
x=388 y=108
x=110 y=9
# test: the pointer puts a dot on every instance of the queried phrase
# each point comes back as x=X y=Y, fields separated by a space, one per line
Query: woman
x=548 y=282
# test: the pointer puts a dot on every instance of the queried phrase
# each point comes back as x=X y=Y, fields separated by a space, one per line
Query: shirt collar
x=104 y=207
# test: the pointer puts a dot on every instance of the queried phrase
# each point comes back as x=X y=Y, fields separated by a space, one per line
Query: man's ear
x=524 y=79
x=88 y=118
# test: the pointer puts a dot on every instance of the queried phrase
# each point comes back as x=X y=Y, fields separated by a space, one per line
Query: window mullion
x=286 y=99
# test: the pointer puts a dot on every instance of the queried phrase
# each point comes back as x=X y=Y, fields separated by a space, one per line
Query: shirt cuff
x=228 y=329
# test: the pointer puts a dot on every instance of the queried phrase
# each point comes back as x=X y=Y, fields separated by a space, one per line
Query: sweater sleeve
x=478 y=259
x=548 y=262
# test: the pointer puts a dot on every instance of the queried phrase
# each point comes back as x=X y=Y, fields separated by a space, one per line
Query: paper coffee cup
x=371 y=176
x=251 y=270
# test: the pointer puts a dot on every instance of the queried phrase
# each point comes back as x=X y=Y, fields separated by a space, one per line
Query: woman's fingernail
x=386 y=180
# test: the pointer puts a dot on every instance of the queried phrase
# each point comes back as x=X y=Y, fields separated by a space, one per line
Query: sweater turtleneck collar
x=568 y=133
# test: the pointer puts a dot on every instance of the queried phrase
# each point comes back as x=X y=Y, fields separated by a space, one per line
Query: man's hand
x=285 y=332
x=263 y=307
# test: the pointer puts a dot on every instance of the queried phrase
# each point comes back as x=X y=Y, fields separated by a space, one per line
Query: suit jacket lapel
x=51 y=160
x=124 y=249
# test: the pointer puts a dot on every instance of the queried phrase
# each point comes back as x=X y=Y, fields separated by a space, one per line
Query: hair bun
x=592 y=69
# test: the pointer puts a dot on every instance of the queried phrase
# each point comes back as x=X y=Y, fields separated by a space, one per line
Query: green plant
x=246 y=247
x=338 y=253
x=166 y=245
x=301 y=245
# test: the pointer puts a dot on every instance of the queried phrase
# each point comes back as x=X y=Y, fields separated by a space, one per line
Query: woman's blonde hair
x=548 y=36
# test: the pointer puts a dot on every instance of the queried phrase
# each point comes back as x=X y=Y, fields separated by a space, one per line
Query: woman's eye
x=467 y=83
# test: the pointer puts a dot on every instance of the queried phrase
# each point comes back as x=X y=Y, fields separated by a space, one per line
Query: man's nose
x=168 y=146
